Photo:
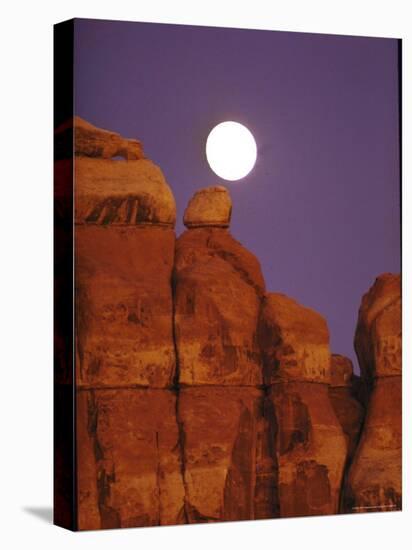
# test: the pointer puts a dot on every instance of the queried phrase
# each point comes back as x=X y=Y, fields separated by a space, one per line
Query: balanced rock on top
x=209 y=207
x=218 y=288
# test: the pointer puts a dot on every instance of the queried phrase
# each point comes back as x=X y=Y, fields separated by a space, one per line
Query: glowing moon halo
x=231 y=150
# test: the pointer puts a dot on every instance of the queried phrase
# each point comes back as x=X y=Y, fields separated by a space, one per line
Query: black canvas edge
x=64 y=387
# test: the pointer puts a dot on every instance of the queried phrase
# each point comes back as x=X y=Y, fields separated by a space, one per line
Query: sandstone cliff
x=344 y=395
x=200 y=396
x=127 y=433
x=310 y=445
x=229 y=470
x=375 y=478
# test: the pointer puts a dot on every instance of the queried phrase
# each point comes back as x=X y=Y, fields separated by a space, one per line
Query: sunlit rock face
x=378 y=332
x=229 y=463
x=129 y=456
x=310 y=446
x=294 y=340
x=209 y=207
x=229 y=470
x=343 y=393
x=128 y=438
x=218 y=286
x=120 y=193
x=375 y=478
x=125 y=214
x=200 y=397
x=124 y=306
x=94 y=142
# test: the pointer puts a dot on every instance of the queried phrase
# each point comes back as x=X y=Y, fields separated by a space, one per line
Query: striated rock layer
x=201 y=398
x=229 y=463
x=218 y=285
x=310 y=445
x=125 y=214
x=375 y=478
x=124 y=306
x=128 y=440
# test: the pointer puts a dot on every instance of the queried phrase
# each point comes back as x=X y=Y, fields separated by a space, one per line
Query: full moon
x=231 y=150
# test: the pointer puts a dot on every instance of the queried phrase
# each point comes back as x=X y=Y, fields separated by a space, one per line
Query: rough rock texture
x=211 y=206
x=343 y=395
x=125 y=241
x=218 y=285
x=122 y=193
x=228 y=468
x=378 y=333
x=91 y=141
x=294 y=340
x=311 y=449
x=228 y=454
x=199 y=397
x=375 y=478
x=221 y=430
x=310 y=445
x=128 y=446
x=129 y=457
x=124 y=306
x=341 y=371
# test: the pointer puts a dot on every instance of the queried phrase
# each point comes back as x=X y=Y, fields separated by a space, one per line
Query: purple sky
x=321 y=207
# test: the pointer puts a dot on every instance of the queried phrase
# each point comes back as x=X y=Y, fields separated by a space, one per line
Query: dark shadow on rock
x=45 y=513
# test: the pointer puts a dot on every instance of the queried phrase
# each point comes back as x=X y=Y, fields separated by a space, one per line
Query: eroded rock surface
x=218 y=285
x=228 y=468
x=128 y=441
x=347 y=406
x=199 y=397
x=378 y=332
x=91 y=141
x=124 y=306
x=211 y=206
x=375 y=478
x=122 y=193
x=311 y=449
x=310 y=445
x=225 y=418
x=129 y=458
x=294 y=341
x=125 y=241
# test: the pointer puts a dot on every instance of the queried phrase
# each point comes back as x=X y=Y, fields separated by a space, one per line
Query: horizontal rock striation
x=199 y=396
x=128 y=439
x=218 y=285
x=125 y=242
x=229 y=464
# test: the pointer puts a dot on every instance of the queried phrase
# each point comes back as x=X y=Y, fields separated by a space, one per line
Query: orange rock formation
x=200 y=397
x=375 y=478
x=310 y=445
